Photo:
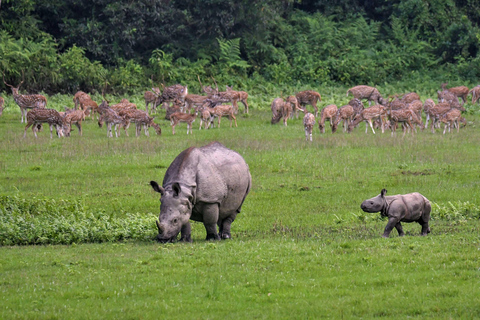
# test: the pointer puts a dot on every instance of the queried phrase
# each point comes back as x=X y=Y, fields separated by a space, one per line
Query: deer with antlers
x=37 y=116
x=309 y=97
x=26 y=101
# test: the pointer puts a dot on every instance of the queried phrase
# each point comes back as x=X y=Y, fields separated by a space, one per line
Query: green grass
x=301 y=247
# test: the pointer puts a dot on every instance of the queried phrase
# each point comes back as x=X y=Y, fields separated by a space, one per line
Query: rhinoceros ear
x=384 y=191
x=176 y=189
x=156 y=187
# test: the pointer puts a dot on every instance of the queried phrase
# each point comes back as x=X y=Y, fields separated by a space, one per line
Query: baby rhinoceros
x=411 y=207
x=207 y=184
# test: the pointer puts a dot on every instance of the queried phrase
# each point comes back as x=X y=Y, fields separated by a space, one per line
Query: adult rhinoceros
x=207 y=184
x=411 y=207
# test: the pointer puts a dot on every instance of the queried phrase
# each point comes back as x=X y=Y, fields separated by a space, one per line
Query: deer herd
x=385 y=114
x=184 y=107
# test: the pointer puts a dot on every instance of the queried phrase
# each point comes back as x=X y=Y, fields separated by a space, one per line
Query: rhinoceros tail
x=246 y=192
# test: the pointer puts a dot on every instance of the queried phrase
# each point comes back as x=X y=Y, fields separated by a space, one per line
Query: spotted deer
x=460 y=92
x=2 y=104
x=292 y=100
x=192 y=101
x=277 y=110
x=73 y=117
x=308 y=123
x=111 y=118
x=242 y=97
x=38 y=116
x=328 y=113
x=152 y=97
x=224 y=110
x=178 y=117
x=141 y=119
x=221 y=98
x=27 y=101
x=172 y=109
x=369 y=115
x=427 y=105
x=345 y=114
x=309 y=97
x=357 y=105
x=206 y=117
x=172 y=93
x=404 y=117
x=367 y=92
x=282 y=109
x=451 y=118
x=475 y=91
x=410 y=97
x=83 y=101
x=435 y=112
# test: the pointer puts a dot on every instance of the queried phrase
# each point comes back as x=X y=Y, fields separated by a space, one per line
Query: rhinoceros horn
x=158 y=226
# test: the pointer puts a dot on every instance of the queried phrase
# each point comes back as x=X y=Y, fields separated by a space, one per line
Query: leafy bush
x=47 y=221
x=455 y=211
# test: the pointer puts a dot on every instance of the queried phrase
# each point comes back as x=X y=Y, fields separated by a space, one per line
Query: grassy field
x=301 y=248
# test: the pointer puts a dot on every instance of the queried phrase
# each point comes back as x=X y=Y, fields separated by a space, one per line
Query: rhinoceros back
x=218 y=175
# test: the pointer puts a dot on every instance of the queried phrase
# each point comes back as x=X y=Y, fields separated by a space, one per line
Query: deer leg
x=371 y=125
x=26 y=127
x=235 y=118
x=51 y=129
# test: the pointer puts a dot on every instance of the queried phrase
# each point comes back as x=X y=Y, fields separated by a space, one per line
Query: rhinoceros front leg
x=225 y=225
x=186 y=233
x=392 y=222
x=210 y=218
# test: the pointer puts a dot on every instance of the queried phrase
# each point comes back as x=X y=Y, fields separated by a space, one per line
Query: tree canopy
x=65 y=45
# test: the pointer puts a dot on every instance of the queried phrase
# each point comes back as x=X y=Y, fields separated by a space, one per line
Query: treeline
x=126 y=46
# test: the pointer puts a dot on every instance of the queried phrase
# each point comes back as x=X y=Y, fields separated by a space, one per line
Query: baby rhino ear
x=384 y=191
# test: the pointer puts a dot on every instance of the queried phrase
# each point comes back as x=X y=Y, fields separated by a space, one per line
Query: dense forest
x=126 y=46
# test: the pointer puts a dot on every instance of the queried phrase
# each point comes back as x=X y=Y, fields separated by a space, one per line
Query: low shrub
x=48 y=221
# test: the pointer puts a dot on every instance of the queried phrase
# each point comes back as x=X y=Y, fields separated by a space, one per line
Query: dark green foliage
x=65 y=46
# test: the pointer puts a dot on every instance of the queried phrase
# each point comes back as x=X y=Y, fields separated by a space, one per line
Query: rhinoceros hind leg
x=399 y=228
x=225 y=226
x=425 y=228
x=210 y=218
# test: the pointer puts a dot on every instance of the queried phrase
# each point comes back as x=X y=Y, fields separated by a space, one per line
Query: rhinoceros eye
x=175 y=220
